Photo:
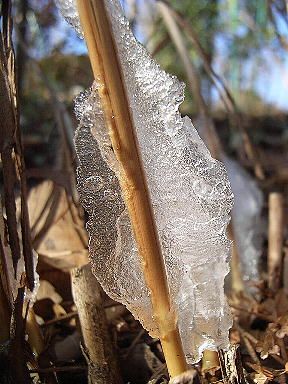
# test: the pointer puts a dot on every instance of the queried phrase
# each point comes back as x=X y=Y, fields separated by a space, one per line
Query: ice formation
x=190 y=195
x=246 y=216
x=67 y=8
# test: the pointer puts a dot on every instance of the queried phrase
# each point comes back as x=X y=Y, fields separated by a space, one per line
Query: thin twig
x=74 y=368
x=63 y=318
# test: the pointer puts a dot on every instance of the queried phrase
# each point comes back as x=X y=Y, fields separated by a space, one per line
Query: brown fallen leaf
x=260 y=378
x=57 y=229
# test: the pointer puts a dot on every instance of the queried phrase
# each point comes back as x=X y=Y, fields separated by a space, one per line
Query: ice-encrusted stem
x=107 y=72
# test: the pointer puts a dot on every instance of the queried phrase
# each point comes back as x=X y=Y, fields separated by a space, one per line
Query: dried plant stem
x=237 y=283
x=87 y=293
x=107 y=71
x=210 y=360
x=275 y=239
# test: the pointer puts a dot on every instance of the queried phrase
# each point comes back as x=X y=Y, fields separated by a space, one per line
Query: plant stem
x=99 y=352
x=210 y=360
x=275 y=240
x=107 y=70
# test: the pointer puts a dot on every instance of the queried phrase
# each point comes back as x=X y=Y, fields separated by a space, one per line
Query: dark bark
x=11 y=149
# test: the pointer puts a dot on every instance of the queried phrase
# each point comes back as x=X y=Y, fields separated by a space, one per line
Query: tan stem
x=237 y=283
x=275 y=240
x=87 y=293
x=107 y=70
x=210 y=360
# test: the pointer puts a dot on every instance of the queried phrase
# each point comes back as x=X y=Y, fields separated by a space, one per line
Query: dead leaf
x=260 y=378
x=58 y=231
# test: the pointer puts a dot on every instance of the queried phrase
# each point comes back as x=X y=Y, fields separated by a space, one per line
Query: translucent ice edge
x=68 y=9
x=248 y=225
x=190 y=194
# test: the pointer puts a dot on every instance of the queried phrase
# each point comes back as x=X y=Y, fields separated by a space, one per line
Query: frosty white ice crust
x=190 y=194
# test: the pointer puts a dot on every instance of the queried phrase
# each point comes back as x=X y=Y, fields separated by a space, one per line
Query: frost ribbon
x=189 y=193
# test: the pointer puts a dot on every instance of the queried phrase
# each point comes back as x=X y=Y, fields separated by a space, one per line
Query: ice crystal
x=190 y=195
x=68 y=9
x=246 y=216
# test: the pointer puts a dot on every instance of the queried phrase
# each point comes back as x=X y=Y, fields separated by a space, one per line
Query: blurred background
x=232 y=56
x=241 y=43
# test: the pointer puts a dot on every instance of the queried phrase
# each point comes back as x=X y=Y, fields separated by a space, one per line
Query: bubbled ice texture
x=190 y=195
x=112 y=248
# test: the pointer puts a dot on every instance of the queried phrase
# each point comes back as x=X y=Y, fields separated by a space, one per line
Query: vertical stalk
x=107 y=70
x=210 y=360
x=237 y=283
x=275 y=240
x=87 y=293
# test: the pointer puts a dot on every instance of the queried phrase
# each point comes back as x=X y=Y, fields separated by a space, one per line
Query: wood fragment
x=275 y=240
